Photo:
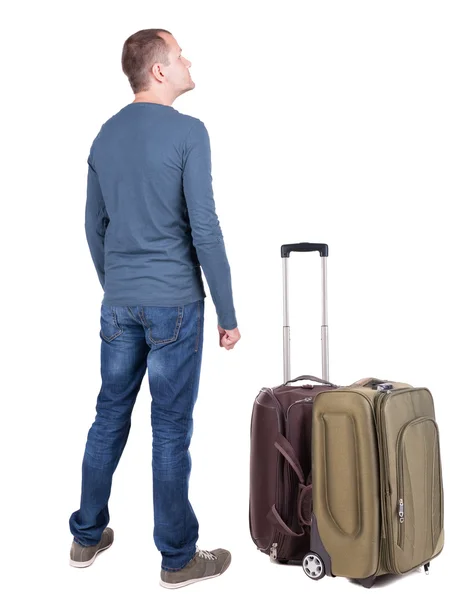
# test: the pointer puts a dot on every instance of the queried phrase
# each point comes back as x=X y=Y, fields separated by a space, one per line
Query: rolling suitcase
x=280 y=443
x=378 y=503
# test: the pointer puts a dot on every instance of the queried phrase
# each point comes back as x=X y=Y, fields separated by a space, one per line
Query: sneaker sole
x=80 y=565
x=171 y=586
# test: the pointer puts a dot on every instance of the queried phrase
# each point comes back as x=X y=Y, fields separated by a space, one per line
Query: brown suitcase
x=280 y=444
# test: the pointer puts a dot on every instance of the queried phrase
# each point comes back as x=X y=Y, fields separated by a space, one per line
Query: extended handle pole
x=325 y=324
x=286 y=330
x=286 y=250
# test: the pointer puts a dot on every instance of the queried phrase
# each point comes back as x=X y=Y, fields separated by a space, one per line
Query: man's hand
x=228 y=337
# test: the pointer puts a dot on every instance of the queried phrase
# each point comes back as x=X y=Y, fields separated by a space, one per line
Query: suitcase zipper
x=278 y=540
x=401 y=523
x=274 y=551
x=281 y=541
x=388 y=512
x=400 y=488
x=387 y=509
x=400 y=477
x=306 y=400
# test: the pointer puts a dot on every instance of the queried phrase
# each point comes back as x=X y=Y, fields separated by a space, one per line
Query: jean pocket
x=110 y=329
x=164 y=324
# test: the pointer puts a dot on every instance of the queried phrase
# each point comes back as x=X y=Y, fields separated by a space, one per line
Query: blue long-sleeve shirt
x=150 y=217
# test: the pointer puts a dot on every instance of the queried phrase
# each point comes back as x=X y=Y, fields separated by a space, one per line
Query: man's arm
x=96 y=221
x=205 y=228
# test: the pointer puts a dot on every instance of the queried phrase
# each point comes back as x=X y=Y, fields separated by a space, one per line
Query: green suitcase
x=378 y=503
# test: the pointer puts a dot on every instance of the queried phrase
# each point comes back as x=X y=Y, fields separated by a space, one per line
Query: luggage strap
x=305 y=491
x=274 y=517
x=284 y=446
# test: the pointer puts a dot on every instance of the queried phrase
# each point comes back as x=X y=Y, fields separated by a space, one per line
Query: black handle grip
x=286 y=249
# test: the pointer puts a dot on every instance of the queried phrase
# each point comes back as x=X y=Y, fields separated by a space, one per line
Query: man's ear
x=157 y=72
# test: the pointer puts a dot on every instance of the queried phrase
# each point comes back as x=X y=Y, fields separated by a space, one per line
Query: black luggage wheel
x=313 y=566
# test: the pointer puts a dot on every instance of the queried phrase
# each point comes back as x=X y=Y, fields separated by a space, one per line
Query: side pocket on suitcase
x=419 y=515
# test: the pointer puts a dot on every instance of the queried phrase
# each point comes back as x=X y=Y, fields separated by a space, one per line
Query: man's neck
x=154 y=98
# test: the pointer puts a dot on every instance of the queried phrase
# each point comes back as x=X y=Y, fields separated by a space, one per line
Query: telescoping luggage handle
x=286 y=250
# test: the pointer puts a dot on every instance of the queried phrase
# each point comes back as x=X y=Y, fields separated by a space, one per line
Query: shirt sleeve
x=206 y=232
x=96 y=221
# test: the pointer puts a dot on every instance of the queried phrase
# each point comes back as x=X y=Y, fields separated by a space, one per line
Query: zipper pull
x=382 y=387
x=273 y=551
x=401 y=510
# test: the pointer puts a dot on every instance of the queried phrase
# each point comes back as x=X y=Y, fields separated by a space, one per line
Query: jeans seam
x=133 y=316
x=191 y=387
x=143 y=319
x=198 y=325
x=185 y=513
x=187 y=416
x=176 y=330
x=114 y=318
x=110 y=338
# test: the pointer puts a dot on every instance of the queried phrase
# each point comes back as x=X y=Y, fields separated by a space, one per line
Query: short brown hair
x=140 y=52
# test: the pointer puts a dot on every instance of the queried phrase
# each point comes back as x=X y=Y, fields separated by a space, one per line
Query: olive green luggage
x=377 y=482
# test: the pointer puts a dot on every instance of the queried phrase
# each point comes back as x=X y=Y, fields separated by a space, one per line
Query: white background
x=330 y=122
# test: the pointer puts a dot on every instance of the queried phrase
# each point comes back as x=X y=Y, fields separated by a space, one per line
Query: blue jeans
x=168 y=341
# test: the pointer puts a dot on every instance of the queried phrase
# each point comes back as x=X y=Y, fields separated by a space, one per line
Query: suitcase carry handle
x=310 y=378
x=379 y=384
x=372 y=382
x=286 y=250
x=368 y=382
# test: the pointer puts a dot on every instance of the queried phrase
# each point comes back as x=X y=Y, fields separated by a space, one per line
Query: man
x=151 y=225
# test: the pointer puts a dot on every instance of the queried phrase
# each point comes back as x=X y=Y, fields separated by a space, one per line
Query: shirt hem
x=149 y=302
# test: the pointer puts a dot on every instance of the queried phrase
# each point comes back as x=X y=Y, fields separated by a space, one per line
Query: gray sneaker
x=203 y=565
x=84 y=556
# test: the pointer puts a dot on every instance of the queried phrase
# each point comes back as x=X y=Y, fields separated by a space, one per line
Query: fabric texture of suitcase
x=378 y=500
x=280 y=468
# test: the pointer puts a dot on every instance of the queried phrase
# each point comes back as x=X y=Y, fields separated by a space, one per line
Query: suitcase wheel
x=313 y=566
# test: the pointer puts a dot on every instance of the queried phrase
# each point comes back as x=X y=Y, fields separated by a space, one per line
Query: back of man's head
x=140 y=51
